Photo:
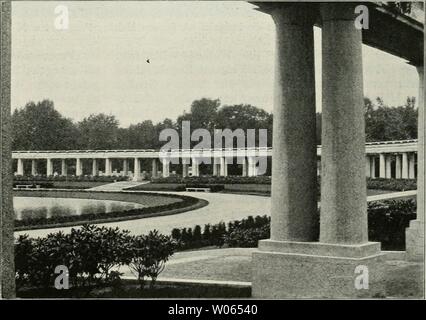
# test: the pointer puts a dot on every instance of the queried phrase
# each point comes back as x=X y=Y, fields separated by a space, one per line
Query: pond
x=37 y=207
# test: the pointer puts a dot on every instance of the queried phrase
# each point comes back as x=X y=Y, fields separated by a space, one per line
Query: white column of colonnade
x=125 y=167
x=367 y=166
x=49 y=167
x=195 y=167
x=398 y=166
x=64 y=167
x=136 y=169
x=373 y=166
x=223 y=167
x=166 y=167
x=411 y=166
x=244 y=172
x=185 y=165
x=154 y=168
x=388 y=166
x=382 y=165
x=95 y=168
x=78 y=167
x=20 y=167
x=33 y=167
x=107 y=166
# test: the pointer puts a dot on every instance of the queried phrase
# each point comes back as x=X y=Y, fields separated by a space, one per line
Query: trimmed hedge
x=387 y=221
x=377 y=183
x=392 y=184
x=214 y=180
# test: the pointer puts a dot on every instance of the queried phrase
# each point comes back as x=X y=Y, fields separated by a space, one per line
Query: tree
x=202 y=115
x=38 y=126
x=244 y=116
x=138 y=136
x=383 y=123
x=98 y=132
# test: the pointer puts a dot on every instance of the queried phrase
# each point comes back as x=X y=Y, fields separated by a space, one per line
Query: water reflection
x=35 y=207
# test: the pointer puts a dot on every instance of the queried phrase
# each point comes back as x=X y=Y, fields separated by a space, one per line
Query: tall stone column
x=294 y=265
x=125 y=167
x=154 y=172
x=404 y=173
x=108 y=167
x=7 y=269
x=64 y=167
x=415 y=238
x=20 y=167
x=382 y=164
x=411 y=166
x=294 y=201
x=33 y=167
x=388 y=168
x=78 y=167
x=136 y=170
x=373 y=167
x=294 y=157
x=398 y=166
x=49 y=167
x=343 y=184
x=95 y=168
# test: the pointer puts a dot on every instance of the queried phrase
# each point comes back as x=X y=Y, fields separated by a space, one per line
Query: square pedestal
x=415 y=241
x=317 y=270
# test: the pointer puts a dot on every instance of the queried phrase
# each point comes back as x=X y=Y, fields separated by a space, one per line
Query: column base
x=415 y=240
x=316 y=270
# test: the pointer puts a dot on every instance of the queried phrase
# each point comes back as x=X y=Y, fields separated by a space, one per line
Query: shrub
x=387 y=221
x=149 y=255
x=90 y=254
x=247 y=238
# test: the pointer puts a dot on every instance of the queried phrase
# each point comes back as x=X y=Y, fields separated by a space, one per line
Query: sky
x=218 y=50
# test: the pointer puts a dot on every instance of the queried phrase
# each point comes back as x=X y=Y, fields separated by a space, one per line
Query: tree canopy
x=39 y=126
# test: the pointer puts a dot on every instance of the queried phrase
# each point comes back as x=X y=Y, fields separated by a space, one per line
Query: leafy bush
x=149 y=255
x=387 y=221
x=90 y=254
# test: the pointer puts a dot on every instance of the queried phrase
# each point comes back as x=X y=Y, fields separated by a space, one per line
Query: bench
x=24 y=186
x=198 y=189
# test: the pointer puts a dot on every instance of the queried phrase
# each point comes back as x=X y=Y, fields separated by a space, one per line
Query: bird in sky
x=147 y=61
